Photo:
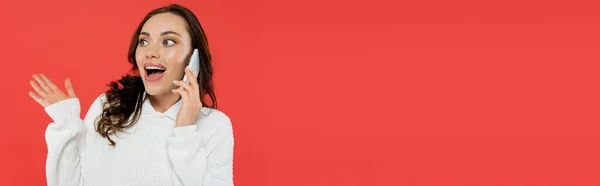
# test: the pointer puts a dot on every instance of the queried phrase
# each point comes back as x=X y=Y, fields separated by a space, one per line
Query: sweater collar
x=147 y=108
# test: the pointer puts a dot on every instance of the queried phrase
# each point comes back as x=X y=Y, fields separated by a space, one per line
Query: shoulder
x=99 y=100
x=95 y=110
x=214 y=115
x=215 y=127
x=214 y=119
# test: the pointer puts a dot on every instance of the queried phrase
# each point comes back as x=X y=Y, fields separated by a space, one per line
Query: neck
x=163 y=102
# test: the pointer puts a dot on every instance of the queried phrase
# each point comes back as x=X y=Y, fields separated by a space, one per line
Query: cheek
x=175 y=58
x=139 y=57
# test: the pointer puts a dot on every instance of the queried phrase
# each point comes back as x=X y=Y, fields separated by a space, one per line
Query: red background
x=371 y=93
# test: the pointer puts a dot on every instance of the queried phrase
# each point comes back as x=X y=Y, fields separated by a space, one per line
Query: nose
x=152 y=52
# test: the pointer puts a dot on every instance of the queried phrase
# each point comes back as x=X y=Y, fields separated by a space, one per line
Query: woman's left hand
x=190 y=95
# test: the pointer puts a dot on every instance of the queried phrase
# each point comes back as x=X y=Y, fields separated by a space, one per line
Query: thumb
x=69 y=87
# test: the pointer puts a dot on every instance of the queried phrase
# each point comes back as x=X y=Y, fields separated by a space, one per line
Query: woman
x=149 y=128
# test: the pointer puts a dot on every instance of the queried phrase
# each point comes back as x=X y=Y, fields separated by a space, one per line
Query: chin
x=155 y=90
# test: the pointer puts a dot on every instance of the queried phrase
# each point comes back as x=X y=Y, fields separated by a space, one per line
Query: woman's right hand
x=46 y=93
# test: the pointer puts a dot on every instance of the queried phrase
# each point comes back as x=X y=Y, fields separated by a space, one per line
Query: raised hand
x=190 y=95
x=47 y=93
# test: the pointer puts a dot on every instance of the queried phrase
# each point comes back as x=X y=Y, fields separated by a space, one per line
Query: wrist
x=180 y=124
x=64 y=110
x=184 y=130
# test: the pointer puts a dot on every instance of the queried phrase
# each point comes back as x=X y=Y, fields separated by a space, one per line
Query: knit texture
x=152 y=152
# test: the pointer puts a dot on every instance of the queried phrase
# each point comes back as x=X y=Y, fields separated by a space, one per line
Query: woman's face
x=163 y=47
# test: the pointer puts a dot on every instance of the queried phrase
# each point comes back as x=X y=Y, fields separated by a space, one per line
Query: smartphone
x=194 y=65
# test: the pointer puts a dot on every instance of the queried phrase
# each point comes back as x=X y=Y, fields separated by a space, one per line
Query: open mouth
x=154 y=72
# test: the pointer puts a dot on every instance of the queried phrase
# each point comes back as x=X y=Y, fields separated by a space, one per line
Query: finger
x=49 y=83
x=184 y=95
x=38 y=99
x=38 y=89
x=193 y=80
x=187 y=87
x=69 y=87
x=42 y=83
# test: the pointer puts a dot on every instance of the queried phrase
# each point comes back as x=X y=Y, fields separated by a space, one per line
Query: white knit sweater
x=152 y=152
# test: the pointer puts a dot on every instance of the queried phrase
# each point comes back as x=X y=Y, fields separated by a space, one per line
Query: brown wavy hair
x=124 y=97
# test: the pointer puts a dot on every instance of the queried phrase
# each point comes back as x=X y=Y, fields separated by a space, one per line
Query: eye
x=143 y=42
x=169 y=42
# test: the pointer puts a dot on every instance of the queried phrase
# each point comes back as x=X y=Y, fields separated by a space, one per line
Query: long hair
x=126 y=96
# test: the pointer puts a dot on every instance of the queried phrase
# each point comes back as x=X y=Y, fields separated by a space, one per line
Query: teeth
x=154 y=68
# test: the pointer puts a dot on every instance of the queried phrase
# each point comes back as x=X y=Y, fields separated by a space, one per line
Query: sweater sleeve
x=65 y=141
x=202 y=155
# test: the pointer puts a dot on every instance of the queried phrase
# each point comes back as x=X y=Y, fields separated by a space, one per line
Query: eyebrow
x=162 y=33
